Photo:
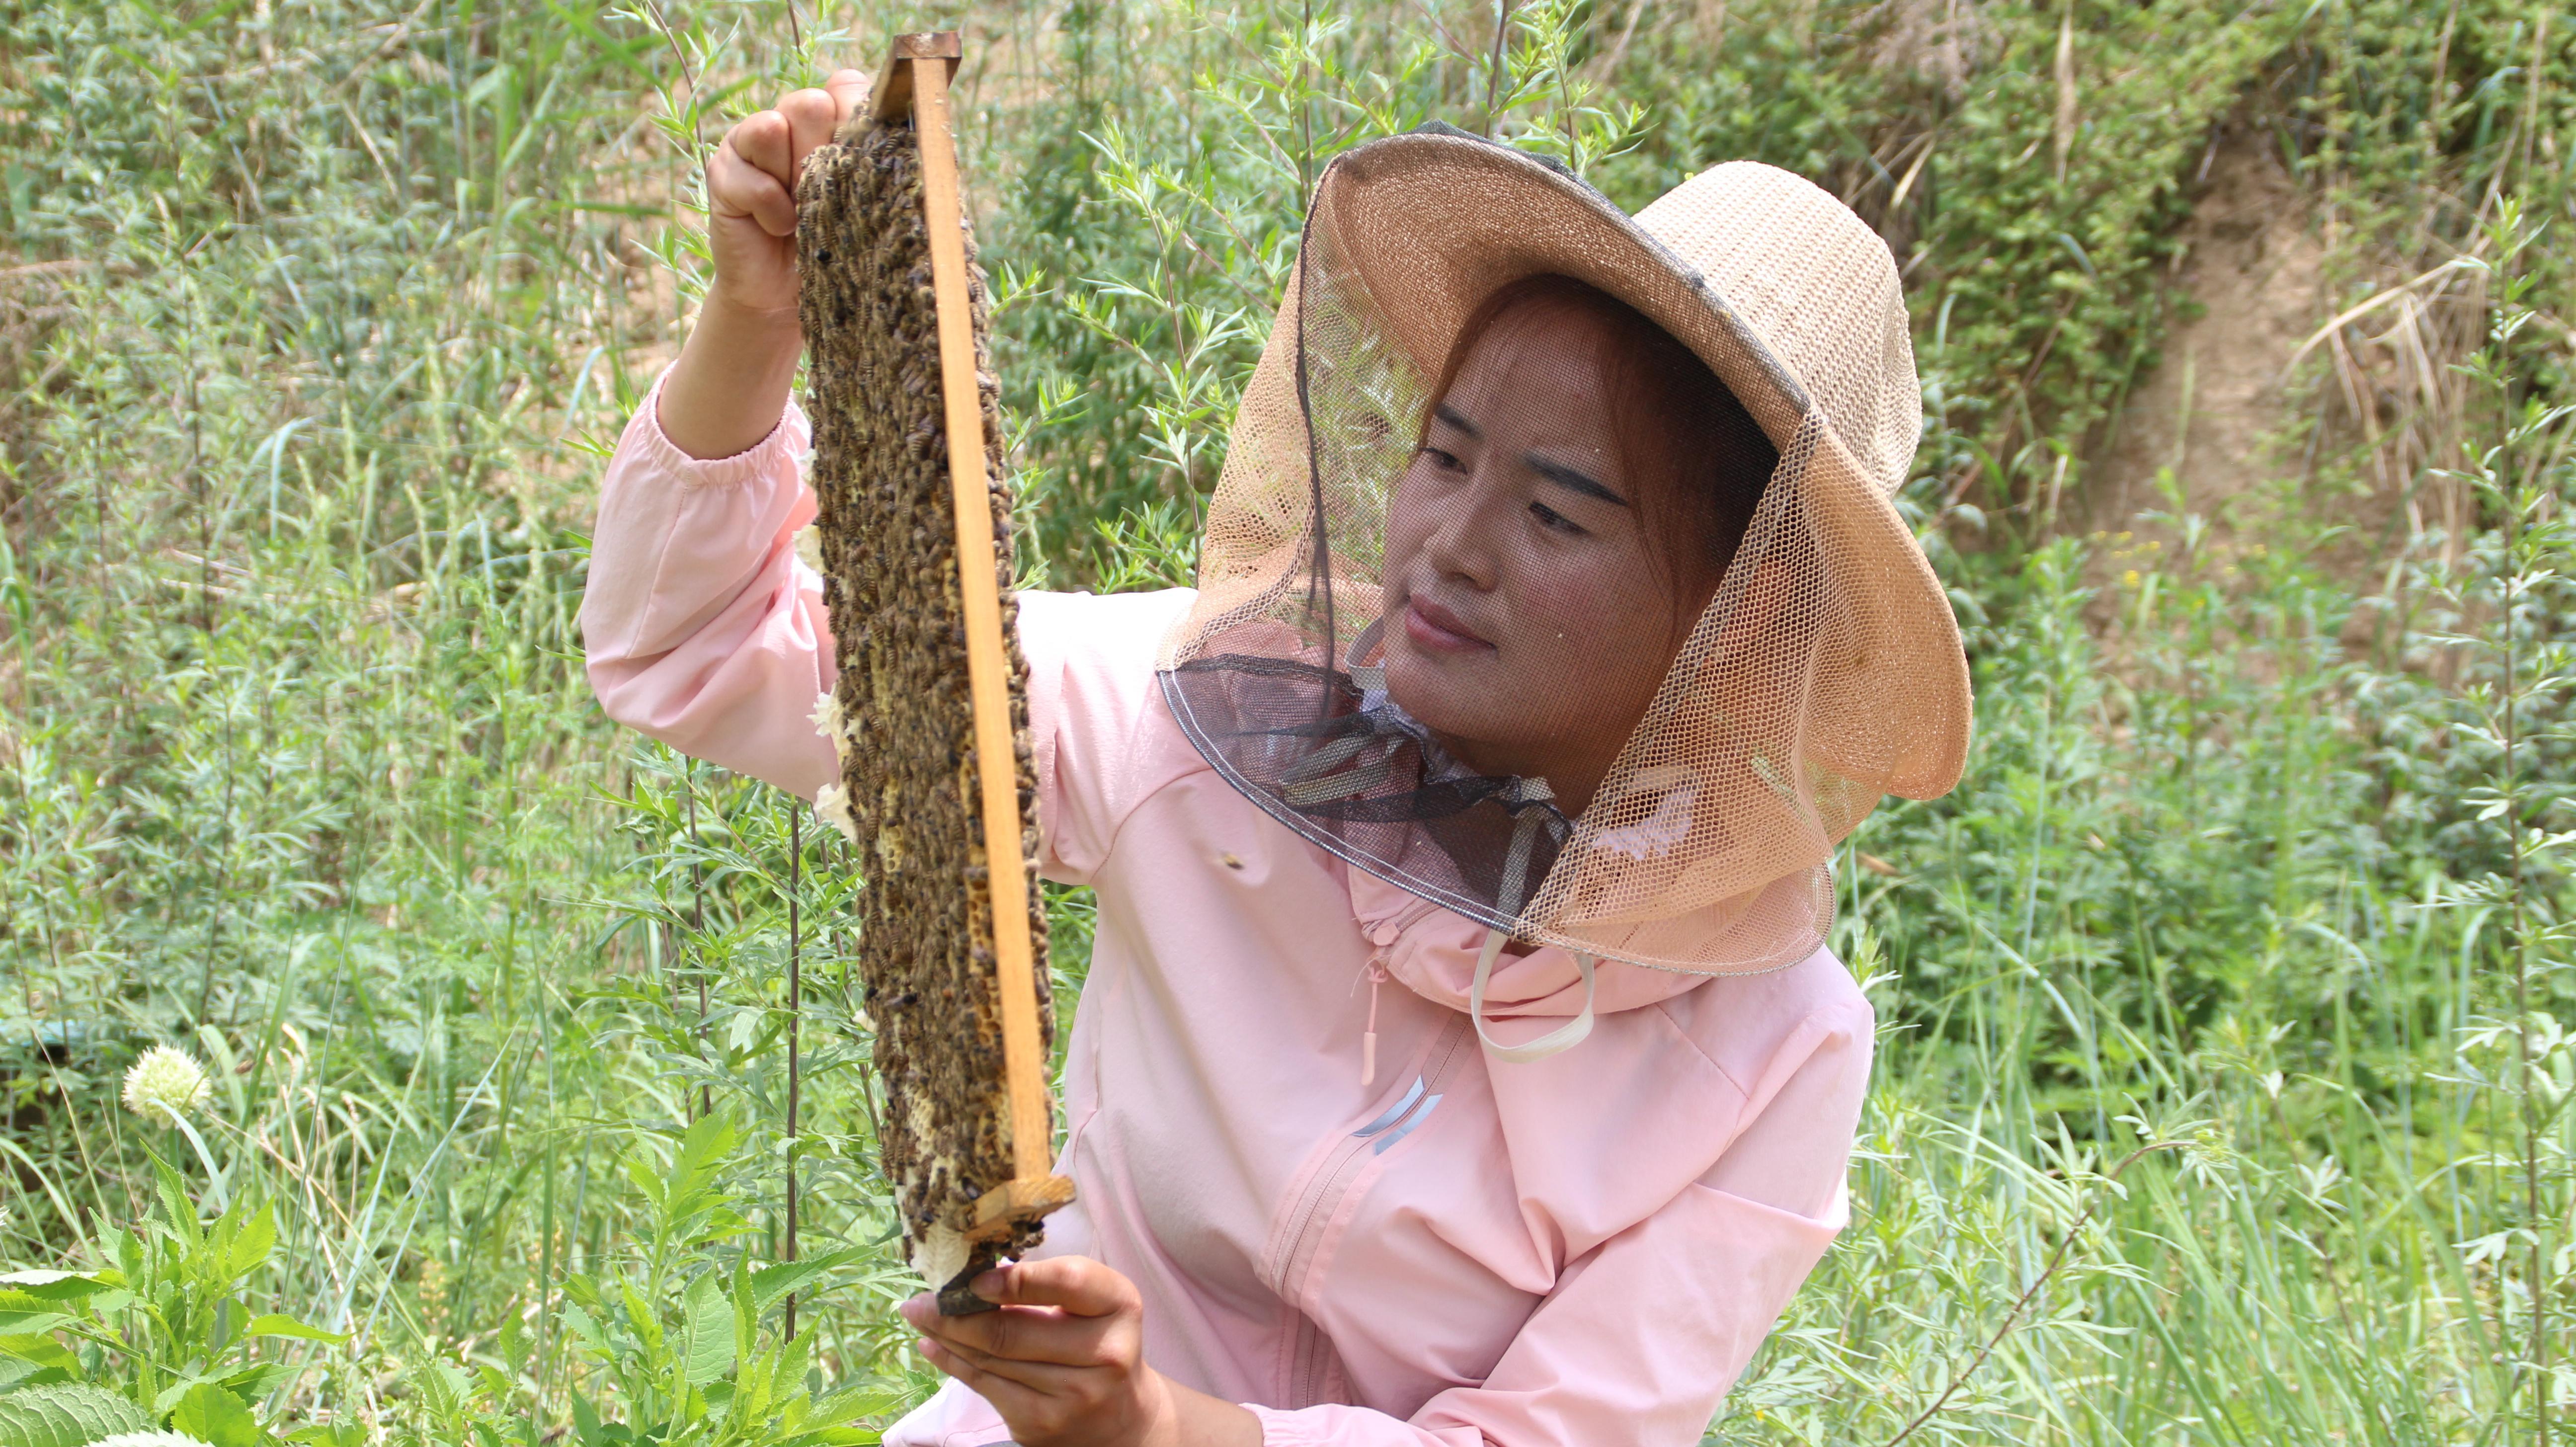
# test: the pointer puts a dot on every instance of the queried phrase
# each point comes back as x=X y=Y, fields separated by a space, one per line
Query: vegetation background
x=2223 y=1095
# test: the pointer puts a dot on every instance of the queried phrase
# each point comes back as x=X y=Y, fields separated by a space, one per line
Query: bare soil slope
x=2212 y=407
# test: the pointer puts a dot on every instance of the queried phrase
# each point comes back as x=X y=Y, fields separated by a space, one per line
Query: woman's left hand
x=1063 y=1361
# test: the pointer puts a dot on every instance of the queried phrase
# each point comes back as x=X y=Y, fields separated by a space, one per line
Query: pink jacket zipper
x=1382 y=936
x=1296 y=1258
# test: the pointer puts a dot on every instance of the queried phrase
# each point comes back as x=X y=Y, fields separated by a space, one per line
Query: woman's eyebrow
x=1564 y=476
x=1457 y=419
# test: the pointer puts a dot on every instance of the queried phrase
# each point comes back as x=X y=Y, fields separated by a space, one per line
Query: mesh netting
x=1554 y=574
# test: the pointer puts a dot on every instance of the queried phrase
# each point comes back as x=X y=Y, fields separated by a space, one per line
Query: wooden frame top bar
x=891 y=97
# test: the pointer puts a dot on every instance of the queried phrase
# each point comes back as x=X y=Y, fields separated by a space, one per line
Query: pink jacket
x=1581 y=1250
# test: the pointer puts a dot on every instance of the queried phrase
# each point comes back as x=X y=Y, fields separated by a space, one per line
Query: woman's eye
x=1445 y=461
x=1549 y=517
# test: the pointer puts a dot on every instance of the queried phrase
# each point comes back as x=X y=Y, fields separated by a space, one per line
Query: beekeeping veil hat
x=1707 y=846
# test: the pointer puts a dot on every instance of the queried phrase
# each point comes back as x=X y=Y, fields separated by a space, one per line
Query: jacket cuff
x=787 y=440
x=1336 y=1426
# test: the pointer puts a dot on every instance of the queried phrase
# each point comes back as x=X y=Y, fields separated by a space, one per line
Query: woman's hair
x=1698 y=457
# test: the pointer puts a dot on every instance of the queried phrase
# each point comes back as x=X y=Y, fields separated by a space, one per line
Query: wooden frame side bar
x=932 y=59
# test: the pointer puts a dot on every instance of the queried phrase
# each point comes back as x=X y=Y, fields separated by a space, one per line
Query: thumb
x=1077 y=1284
x=849 y=92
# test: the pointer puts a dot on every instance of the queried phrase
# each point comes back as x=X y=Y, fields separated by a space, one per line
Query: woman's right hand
x=729 y=386
x=751 y=192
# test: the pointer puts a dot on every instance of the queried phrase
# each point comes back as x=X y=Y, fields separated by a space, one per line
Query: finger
x=1018 y=1333
x=849 y=90
x=768 y=142
x=1027 y=1334
x=1046 y=1379
x=1015 y=1402
x=810 y=118
x=736 y=187
x=1079 y=1284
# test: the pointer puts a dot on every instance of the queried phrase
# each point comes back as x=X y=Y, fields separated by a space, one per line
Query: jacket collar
x=1432 y=952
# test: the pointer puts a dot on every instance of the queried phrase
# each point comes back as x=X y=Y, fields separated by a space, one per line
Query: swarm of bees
x=904 y=717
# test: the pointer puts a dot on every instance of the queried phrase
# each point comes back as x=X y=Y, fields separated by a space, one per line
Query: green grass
x=2222 y=1094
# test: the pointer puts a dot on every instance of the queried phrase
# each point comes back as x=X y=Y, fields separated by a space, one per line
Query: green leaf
x=589 y=1431
x=45 y=1352
x=249 y=1251
x=216 y=1416
x=830 y=1421
x=18 y=1373
x=150 y=1439
x=258 y=1379
x=20 y=1314
x=12 y=1299
x=445 y=1389
x=851 y=1404
x=66 y=1416
x=587 y=1328
x=57 y=1285
x=181 y=1213
x=688 y=1190
x=287 y=1326
x=770 y=1285
x=640 y=1317
x=710 y=1343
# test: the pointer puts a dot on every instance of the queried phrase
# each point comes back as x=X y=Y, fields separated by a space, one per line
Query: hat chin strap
x=1563 y=1037
x=1515 y=877
x=1368 y=676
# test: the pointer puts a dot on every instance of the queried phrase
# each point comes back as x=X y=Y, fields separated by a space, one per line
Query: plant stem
x=2515 y=497
x=698 y=927
x=795 y=1011
x=2056 y=1259
x=1305 y=103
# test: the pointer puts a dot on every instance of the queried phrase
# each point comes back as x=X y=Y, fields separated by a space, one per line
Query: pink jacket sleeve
x=1642 y=1338
x=702 y=628
x=1091 y=684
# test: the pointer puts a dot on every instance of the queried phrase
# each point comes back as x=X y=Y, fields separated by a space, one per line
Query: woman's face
x=1530 y=615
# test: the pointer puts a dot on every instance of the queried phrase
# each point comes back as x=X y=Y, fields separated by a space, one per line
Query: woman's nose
x=1461 y=544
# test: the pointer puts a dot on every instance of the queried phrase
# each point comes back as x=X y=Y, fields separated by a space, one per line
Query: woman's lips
x=1431 y=626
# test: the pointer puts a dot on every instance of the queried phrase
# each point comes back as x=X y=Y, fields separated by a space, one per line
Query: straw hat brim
x=1441 y=219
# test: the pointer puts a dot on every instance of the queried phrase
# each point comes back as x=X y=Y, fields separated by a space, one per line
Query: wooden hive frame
x=954 y=933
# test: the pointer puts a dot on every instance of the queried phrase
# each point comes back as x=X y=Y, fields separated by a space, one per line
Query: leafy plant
x=166 y=1323
x=681 y=1339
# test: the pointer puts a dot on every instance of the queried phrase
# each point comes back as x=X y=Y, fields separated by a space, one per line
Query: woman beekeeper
x=1460 y=1061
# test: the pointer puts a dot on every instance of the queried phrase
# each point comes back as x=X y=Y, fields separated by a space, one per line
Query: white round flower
x=166 y=1084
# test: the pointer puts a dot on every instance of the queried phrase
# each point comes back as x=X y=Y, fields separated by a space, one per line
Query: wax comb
x=915 y=525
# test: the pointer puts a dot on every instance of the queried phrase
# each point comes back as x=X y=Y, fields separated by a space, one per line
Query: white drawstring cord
x=1563 y=1037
